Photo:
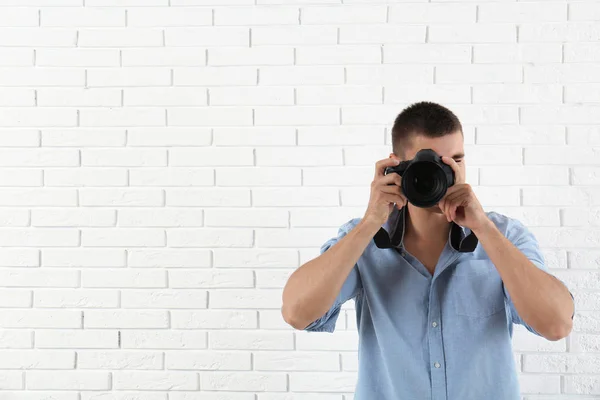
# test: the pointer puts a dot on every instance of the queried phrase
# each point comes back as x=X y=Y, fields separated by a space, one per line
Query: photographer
x=437 y=285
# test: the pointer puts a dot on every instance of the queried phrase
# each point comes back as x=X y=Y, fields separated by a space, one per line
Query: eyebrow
x=458 y=155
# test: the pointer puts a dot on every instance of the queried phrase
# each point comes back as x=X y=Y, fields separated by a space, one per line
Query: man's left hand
x=460 y=204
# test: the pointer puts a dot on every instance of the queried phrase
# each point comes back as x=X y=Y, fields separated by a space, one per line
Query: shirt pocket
x=476 y=289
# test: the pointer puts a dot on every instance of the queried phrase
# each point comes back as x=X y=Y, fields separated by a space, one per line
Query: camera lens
x=424 y=183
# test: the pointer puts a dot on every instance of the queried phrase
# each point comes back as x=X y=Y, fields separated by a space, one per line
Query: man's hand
x=385 y=191
x=460 y=204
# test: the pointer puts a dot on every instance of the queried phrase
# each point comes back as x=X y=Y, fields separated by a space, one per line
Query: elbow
x=290 y=318
x=561 y=331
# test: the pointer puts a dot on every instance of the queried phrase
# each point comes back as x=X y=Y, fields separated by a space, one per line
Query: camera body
x=425 y=178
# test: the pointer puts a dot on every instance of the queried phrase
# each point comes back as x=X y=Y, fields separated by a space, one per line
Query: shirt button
x=403 y=254
x=437 y=365
x=434 y=324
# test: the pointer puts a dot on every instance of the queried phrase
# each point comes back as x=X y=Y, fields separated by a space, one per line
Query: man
x=436 y=289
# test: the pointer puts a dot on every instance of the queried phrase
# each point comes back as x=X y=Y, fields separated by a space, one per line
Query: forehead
x=448 y=145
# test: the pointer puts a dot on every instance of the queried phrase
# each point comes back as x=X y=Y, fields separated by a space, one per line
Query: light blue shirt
x=441 y=337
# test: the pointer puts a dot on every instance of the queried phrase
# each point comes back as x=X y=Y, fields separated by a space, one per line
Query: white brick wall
x=166 y=164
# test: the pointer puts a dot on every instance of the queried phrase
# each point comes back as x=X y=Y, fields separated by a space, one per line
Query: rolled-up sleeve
x=524 y=240
x=351 y=288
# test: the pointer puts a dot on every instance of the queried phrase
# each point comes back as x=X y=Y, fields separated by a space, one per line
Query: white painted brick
x=12 y=218
x=365 y=155
x=293 y=35
x=171 y=177
x=83 y=258
x=40 y=319
x=15 y=298
x=579 y=279
x=210 y=278
x=251 y=340
x=255 y=258
x=124 y=157
x=37 y=117
x=132 y=237
x=169 y=258
x=473 y=33
x=230 y=197
x=558 y=32
x=20 y=177
x=557 y=196
x=163 y=56
x=11 y=380
x=260 y=176
x=263 y=96
x=389 y=74
x=504 y=53
x=120 y=37
x=272 y=278
x=584 y=11
x=122 y=117
x=79 y=97
x=36 y=277
x=244 y=381
x=125 y=395
x=532 y=216
x=19 y=138
x=344 y=15
x=164 y=299
x=583 y=135
x=517 y=94
x=484 y=155
x=381 y=33
x=432 y=13
x=297 y=115
x=36 y=37
x=68 y=380
x=210 y=156
x=324 y=382
x=123 y=278
x=581 y=93
x=528 y=175
x=349 y=361
x=82 y=339
x=146 y=380
x=119 y=359
x=561 y=73
x=524 y=341
x=539 y=384
x=354 y=197
x=296 y=361
x=283 y=197
x=582 y=385
x=208 y=360
x=125 y=319
x=167 y=16
x=318 y=95
x=207 y=36
x=479 y=73
x=522 y=12
x=253 y=299
x=214 y=319
x=16 y=339
x=13 y=97
x=79 y=137
x=131 y=76
x=215 y=76
x=85 y=177
x=347 y=176
x=555 y=155
x=164 y=97
x=19 y=17
x=272 y=319
x=301 y=75
x=73 y=217
x=250 y=16
x=340 y=54
x=162 y=217
x=211 y=2
x=38 y=197
x=14 y=57
x=401 y=94
x=121 y=197
x=213 y=116
x=75 y=298
x=340 y=135
x=585 y=343
x=584 y=259
x=567 y=237
x=298 y=156
x=255 y=136
x=77 y=57
x=247 y=218
x=226 y=237
x=168 y=136
x=295 y=237
x=125 y=3
x=163 y=339
x=19 y=258
x=531 y=134
x=82 y=17
x=323 y=216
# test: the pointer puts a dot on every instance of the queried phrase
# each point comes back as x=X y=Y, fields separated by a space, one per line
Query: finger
x=457 y=202
x=394 y=198
x=458 y=175
x=390 y=179
x=449 y=200
x=395 y=190
x=381 y=165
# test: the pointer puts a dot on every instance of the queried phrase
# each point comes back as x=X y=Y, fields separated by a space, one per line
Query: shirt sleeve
x=351 y=288
x=525 y=241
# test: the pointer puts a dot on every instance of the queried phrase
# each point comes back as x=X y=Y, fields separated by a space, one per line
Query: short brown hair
x=422 y=118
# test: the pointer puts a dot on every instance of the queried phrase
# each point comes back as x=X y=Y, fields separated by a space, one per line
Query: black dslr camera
x=425 y=178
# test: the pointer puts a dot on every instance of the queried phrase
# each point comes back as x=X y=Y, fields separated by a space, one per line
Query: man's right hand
x=385 y=191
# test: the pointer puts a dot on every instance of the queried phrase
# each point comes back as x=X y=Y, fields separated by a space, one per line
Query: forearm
x=541 y=300
x=312 y=289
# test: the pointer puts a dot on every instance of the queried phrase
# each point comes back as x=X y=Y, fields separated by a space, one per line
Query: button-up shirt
x=446 y=336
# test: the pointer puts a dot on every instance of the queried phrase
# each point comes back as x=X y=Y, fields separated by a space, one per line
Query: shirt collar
x=391 y=234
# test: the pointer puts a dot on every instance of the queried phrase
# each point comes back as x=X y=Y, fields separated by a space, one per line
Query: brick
x=19 y=17
x=339 y=54
x=121 y=197
x=82 y=17
x=167 y=16
x=558 y=32
x=15 y=298
x=81 y=339
x=68 y=380
x=522 y=12
x=432 y=13
x=164 y=97
x=38 y=117
x=134 y=237
x=555 y=155
x=251 y=340
x=381 y=33
x=40 y=319
x=209 y=237
x=215 y=76
x=521 y=53
x=19 y=138
x=389 y=74
x=75 y=298
x=36 y=37
x=124 y=157
x=21 y=177
x=243 y=381
x=252 y=16
x=171 y=299
x=584 y=258
x=517 y=94
x=73 y=217
x=208 y=360
x=41 y=77
x=281 y=197
x=125 y=319
x=122 y=117
x=164 y=56
x=213 y=116
x=163 y=339
x=172 y=177
x=168 y=137
x=207 y=36
x=528 y=175
x=295 y=237
x=532 y=134
x=260 y=96
x=77 y=57
x=169 y=258
x=16 y=339
x=129 y=76
x=54 y=237
x=80 y=137
x=19 y=258
x=123 y=278
x=16 y=57
x=255 y=258
x=83 y=258
x=214 y=319
x=309 y=382
x=119 y=360
x=301 y=75
x=293 y=35
x=272 y=278
x=246 y=218
x=479 y=73
x=210 y=197
x=16 y=97
x=160 y=217
x=260 y=176
x=83 y=177
x=344 y=15
x=120 y=37
x=473 y=33
x=255 y=136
